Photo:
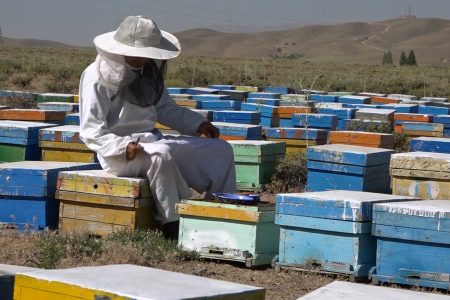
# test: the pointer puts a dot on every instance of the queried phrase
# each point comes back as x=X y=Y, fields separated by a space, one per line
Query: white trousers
x=173 y=164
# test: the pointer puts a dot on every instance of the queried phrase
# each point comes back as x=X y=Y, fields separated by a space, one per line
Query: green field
x=59 y=69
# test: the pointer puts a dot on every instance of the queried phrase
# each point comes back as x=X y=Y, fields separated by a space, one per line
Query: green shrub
x=21 y=80
x=50 y=250
x=290 y=174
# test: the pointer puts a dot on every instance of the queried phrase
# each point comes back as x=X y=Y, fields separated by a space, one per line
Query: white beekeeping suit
x=113 y=115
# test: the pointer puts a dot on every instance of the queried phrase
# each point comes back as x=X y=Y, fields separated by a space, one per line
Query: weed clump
x=290 y=174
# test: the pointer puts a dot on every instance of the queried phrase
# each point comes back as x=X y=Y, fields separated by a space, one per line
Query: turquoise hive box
x=413 y=243
x=328 y=231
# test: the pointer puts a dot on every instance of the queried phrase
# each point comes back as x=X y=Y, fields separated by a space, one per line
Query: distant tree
x=403 y=59
x=387 y=58
x=412 y=58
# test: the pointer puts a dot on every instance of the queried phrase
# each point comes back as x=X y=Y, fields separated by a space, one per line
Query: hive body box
x=19 y=140
x=126 y=282
x=430 y=144
x=339 y=290
x=328 y=231
x=233 y=131
x=349 y=167
x=413 y=243
x=240 y=117
x=7 y=276
x=72 y=119
x=417 y=129
x=241 y=233
x=27 y=191
x=59 y=106
x=297 y=139
x=36 y=115
x=63 y=143
x=421 y=174
x=365 y=139
x=55 y=97
x=100 y=203
x=255 y=162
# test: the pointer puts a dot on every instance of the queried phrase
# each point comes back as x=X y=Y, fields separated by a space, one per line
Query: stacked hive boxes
x=297 y=139
x=344 y=115
x=285 y=114
x=99 y=203
x=255 y=162
x=365 y=139
x=400 y=118
x=349 y=167
x=236 y=232
x=320 y=121
x=269 y=113
x=413 y=243
x=421 y=174
x=59 y=106
x=329 y=231
x=430 y=144
x=63 y=143
x=19 y=140
x=27 y=190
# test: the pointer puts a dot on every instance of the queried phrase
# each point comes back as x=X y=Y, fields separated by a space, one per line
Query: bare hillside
x=349 y=42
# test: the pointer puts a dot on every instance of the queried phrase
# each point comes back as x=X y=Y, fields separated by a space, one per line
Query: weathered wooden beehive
x=413 y=243
x=27 y=193
x=328 y=231
x=99 y=203
x=242 y=233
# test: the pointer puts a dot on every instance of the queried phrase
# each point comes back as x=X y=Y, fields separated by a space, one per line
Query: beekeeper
x=122 y=96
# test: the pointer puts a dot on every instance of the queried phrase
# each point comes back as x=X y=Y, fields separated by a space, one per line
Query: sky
x=77 y=22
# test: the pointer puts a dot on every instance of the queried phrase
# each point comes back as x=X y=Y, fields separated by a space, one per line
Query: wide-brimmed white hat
x=140 y=37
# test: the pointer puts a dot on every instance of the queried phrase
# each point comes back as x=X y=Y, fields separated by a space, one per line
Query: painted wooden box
x=375 y=114
x=421 y=174
x=241 y=117
x=63 y=143
x=365 y=139
x=233 y=131
x=297 y=139
x=125 y=282
x=413 y=243
x=27 y=191
x=322 y=121
x=255 y=162
x=219 y=104
x=19 y=140
x=328 y=231
x=241 y=233
x=351 y=99
x=417 y=129
x=59 y=106
x=55 y=97
x=7 y=277
x=234 y=94
x=36 y=115
x=72 y=119
x=349 y=167
x=430 y=144
x=341 y=290
x=99 y=203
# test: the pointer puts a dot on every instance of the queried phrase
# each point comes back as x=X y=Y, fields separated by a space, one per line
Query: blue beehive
x=350 y=99
x=72 y=119
x=444 y=119
x=239 y=131
x=200 y=90
x=323 y=98
x=264 y=95
x=433 y=110
x=234 y=94
x=219 y=105
x=430 y=144
x=222 y=87
x=349 y=167
x=413 y=243
x=321 y=121
x=241 y=117
x=19 y=140
x=210 y=97
x=329 y=231
x=269 y=116
x=265 y=101
x=175 y=90
x=402 y=108
x=27 y=191
x=279 y=89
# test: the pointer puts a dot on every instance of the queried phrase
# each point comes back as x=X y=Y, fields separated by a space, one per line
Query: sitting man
x=122 y=96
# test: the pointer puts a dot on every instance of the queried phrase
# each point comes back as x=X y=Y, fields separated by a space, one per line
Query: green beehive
x=255 y=162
